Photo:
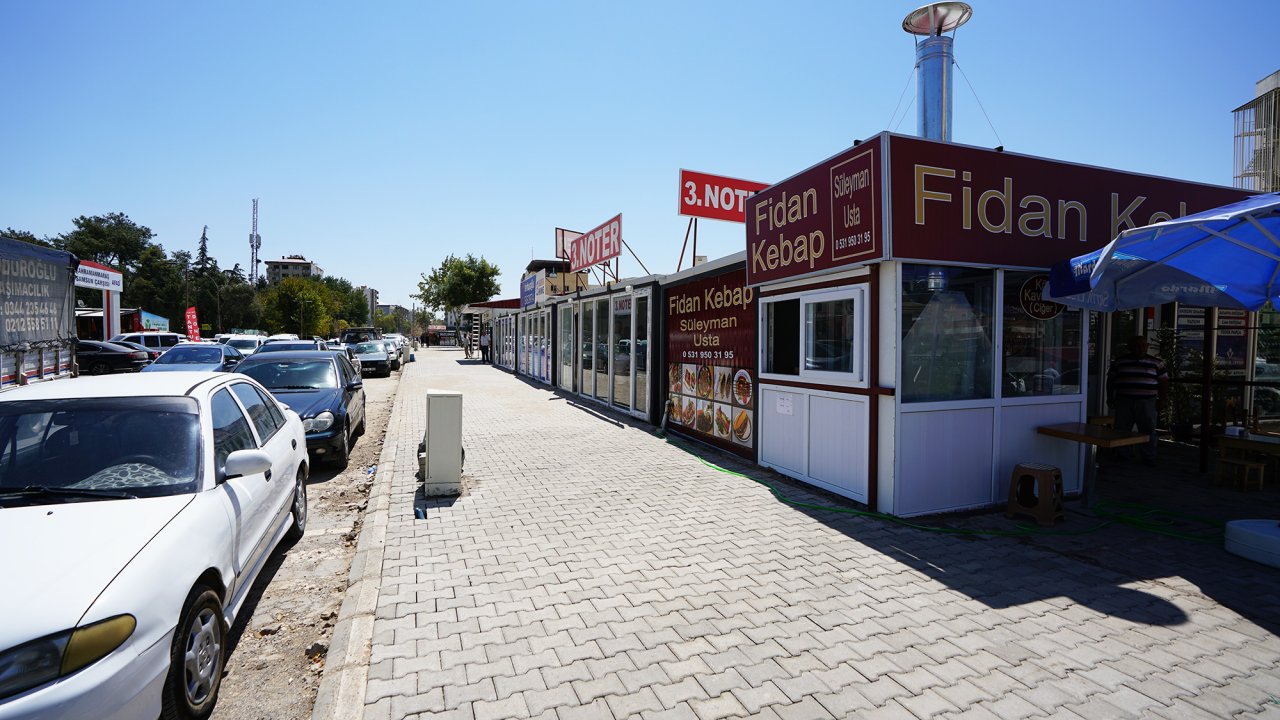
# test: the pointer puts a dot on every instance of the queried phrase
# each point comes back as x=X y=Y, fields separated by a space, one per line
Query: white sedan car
x=135 y=513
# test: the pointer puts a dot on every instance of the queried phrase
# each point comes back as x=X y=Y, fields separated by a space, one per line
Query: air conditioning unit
x=441 y=459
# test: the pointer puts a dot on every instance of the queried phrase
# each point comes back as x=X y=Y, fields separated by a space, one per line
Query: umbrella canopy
x=1225 y=257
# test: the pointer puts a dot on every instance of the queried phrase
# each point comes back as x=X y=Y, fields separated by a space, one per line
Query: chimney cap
x=937 y=18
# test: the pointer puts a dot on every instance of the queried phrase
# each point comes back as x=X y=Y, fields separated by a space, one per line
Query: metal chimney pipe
x=934 y=58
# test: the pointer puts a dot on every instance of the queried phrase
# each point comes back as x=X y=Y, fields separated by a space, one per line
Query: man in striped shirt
x=1137 y=386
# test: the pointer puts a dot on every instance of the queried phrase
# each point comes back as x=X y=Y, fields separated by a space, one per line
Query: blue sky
x=380 y=137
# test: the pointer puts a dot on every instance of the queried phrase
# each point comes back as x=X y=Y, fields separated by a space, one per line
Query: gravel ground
x=278 y=645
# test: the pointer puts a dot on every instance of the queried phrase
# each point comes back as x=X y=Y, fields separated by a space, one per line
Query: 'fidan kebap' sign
x=711 y=347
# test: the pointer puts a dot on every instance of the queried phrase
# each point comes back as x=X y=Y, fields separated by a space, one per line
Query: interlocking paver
x=646 y=583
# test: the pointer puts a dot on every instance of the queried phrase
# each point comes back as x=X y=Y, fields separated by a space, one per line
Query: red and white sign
x=596 y=246
x=715 y=197
x=99 y=277
x=193 y=325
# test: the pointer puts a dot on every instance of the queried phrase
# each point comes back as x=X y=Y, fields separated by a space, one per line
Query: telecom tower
x=255 y=244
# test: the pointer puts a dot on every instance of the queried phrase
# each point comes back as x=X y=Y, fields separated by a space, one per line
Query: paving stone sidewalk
x=594 y=570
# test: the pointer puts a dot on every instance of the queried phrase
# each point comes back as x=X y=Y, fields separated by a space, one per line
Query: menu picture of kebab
x=704 y=418
x=722 y=421
x=674 y=377
x=742 y=389
x=690 y=407
x=723 y=384
x=690 y=379
x=741 y=428
x=705 y=382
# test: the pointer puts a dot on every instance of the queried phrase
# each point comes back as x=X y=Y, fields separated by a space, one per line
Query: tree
x=297 y=305
x=113 y=240
x=458 y=282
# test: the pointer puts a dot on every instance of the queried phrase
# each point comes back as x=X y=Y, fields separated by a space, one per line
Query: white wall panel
x=944 y=460
x=838 y=440
x=1020 y=443
x=783 y=442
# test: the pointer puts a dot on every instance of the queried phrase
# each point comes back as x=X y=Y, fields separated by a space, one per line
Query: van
x=247 y=344
x=153 y=340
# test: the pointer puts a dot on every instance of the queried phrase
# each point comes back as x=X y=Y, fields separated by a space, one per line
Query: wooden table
x=1094 y=437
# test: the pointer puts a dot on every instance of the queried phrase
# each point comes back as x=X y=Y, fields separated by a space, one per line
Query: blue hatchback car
x=197 y=358
x=323 y=388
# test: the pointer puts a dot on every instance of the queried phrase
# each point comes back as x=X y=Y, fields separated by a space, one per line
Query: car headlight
x=318 y=423
x=44 y=660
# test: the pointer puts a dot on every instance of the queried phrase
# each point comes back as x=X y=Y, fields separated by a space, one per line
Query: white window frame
x=859 y=377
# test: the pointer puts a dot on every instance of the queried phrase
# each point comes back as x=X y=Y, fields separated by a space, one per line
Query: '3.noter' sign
x=715 y=197
x=596 y=246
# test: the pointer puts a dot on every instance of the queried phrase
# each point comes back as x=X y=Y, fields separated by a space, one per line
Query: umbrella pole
x=1210 y=346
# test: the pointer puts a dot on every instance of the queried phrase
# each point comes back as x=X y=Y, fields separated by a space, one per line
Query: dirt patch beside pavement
x=278 y=646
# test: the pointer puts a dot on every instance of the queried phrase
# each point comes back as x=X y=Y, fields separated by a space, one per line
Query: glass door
x=566 y=346
x=586 y=348
x=623 y=340
x=600 y=349
x=640 y=354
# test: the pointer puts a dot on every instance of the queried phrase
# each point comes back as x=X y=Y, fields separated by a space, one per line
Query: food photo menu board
x=711 y=354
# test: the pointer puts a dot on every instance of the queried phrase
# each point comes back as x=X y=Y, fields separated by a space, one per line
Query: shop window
x=946 y=333
x=819 y=336
x=782 y=337
x=1041 y=343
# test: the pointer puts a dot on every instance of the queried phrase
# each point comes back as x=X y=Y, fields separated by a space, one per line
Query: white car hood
x=60 y=557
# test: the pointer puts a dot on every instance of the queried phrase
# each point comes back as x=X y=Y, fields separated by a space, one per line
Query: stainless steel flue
x=934 y=58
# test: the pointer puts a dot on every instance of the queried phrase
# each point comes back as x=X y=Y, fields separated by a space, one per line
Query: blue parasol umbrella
x=1225 y=257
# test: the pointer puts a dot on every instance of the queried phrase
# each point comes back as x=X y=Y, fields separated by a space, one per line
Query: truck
x=37 y=313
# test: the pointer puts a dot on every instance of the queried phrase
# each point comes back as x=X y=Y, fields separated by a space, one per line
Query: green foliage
x=166 y=284
x=1176 y=357
x=384 y=322
x=458 y=282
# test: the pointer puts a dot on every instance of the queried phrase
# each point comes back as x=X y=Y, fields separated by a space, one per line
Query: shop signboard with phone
x=711 y=368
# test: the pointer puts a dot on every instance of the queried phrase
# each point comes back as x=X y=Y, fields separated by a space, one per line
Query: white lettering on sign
x=715 y=197
x=596 y=246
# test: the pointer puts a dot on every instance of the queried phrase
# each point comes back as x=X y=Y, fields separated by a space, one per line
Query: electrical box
x=441 y=461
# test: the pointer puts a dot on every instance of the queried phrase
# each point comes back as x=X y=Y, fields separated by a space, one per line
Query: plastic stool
x=1244 y=474
x=1036 y=490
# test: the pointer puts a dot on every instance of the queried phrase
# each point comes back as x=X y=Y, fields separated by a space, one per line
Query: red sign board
x=973 y=205
x=711 y=353
x=597 y=245
x=715 y=197
x=825 y=217
x=193 y=325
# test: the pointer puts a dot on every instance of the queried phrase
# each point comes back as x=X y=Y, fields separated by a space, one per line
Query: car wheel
x=196 y=659
x=299 y=525
x=99 y=368
x=343 y=453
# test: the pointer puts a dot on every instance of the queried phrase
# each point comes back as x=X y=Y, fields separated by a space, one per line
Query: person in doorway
x=466 y=344
x=1137 y=385
x=484 y=346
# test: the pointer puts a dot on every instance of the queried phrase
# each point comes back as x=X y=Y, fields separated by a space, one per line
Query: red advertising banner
x=597 y=245
x=193 y=325
x=715 y=197
x=711 y=360
x=974 y=205
x=825 y=217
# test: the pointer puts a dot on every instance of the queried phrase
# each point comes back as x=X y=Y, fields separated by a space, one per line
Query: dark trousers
x=1140 y=412
x=484 y=353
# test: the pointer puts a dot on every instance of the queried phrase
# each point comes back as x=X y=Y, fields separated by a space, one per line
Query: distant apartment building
x=1257 y=144
x=370 y=299
x=291 y=266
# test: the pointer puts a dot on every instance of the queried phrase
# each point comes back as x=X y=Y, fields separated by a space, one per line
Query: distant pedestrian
x=484 y=346
x=466 y=344
x=1137 y=385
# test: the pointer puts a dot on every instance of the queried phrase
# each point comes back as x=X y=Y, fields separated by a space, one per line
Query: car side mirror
x=355 y=384
x=246 y=462
x=232 y=360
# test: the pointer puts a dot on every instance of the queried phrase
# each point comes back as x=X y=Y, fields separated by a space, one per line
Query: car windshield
x=191 y=356
x=292 y=374
x=368 y=347
x=80 y=449
x=243 y=343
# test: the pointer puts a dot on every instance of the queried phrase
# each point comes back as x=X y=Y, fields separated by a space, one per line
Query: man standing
x=484 y=346
x=1137 y=386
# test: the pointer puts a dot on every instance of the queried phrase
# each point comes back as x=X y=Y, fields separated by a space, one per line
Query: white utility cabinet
x=441 y=463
